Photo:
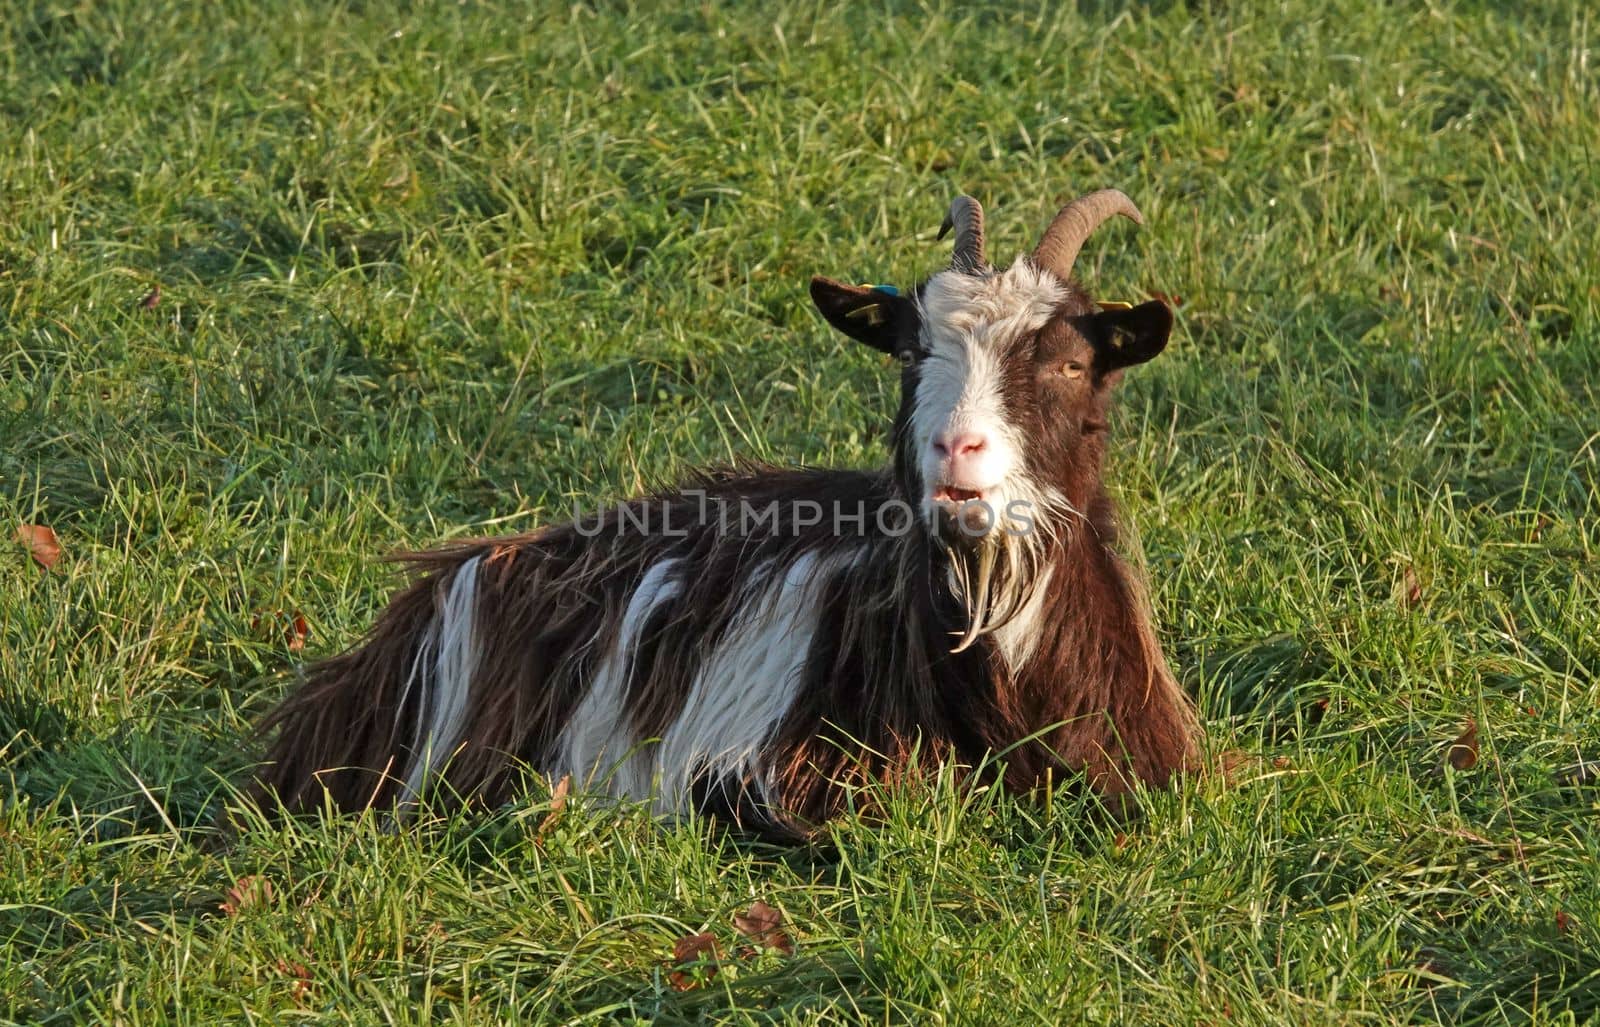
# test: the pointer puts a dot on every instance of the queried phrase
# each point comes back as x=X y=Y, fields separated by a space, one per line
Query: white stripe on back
x=444 y=710
x=599 y=735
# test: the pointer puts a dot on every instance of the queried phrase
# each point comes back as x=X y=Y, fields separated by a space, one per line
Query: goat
x=763 y=641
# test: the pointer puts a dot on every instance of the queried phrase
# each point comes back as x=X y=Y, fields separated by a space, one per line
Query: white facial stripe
x=969 y=327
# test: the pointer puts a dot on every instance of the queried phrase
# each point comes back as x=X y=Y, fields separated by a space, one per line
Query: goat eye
x=1072 y=369
x=907 y=358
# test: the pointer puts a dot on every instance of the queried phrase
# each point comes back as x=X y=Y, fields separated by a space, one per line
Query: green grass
x=449 y=270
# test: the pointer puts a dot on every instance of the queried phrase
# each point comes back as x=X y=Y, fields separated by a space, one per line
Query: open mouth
x=953 y=494
x=963 y=513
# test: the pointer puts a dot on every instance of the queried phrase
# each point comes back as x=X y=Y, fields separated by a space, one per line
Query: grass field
x=450 y=269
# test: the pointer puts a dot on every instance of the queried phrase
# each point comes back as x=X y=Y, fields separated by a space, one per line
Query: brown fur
x=879 y=684
x=881 y=691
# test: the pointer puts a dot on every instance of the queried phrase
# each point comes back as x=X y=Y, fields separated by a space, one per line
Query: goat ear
x=865 y=314
x=1122 y=338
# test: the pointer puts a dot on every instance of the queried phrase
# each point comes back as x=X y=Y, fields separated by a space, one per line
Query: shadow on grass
x=150 y=776
x=237 y=241
x=1271 y=681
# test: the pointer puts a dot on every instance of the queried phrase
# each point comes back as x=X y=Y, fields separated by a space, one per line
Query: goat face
x=1005 y=384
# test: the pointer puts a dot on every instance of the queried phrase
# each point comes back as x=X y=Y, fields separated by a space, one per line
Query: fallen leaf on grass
x=151 y=298
x=246 y=893
x=42 y=544
x=1413 y=593
x=297 y=632
x=1233 y=764
x=1463 y=752
x=1124 y=841
x=295 y=628
x=558 y=802
x=764 y=925
x=694 y=952
x=1563 y=921
x=302 y=978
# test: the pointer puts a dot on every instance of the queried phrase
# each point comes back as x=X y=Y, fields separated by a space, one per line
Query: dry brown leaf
x=1463 y=752
x=1234 y=764
x=295 y=628
x=151 y=298
x=42 y=544
x=301 y=975
x=1413 y=593
x=764 y=925
x=297 y=632
x=246 y=893
x=558 y=802
x=690 y=953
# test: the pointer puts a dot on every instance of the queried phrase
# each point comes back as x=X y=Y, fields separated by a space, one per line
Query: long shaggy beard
x=994 y=578
x=996 y=575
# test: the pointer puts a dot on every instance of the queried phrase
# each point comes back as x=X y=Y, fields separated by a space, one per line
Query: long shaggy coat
x=760 y=641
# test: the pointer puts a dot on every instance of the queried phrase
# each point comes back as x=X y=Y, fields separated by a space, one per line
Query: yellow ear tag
x=1113 y=305
x=872 y=313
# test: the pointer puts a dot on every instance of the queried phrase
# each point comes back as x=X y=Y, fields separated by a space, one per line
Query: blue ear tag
x=886 y=289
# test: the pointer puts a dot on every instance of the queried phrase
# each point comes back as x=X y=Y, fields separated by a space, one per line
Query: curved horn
x=966 y=217
x=1059 y=246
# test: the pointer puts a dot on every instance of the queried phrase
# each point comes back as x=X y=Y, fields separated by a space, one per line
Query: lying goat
x=759 y=643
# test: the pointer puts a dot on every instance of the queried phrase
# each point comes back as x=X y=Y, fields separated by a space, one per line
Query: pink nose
x=959 y=448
